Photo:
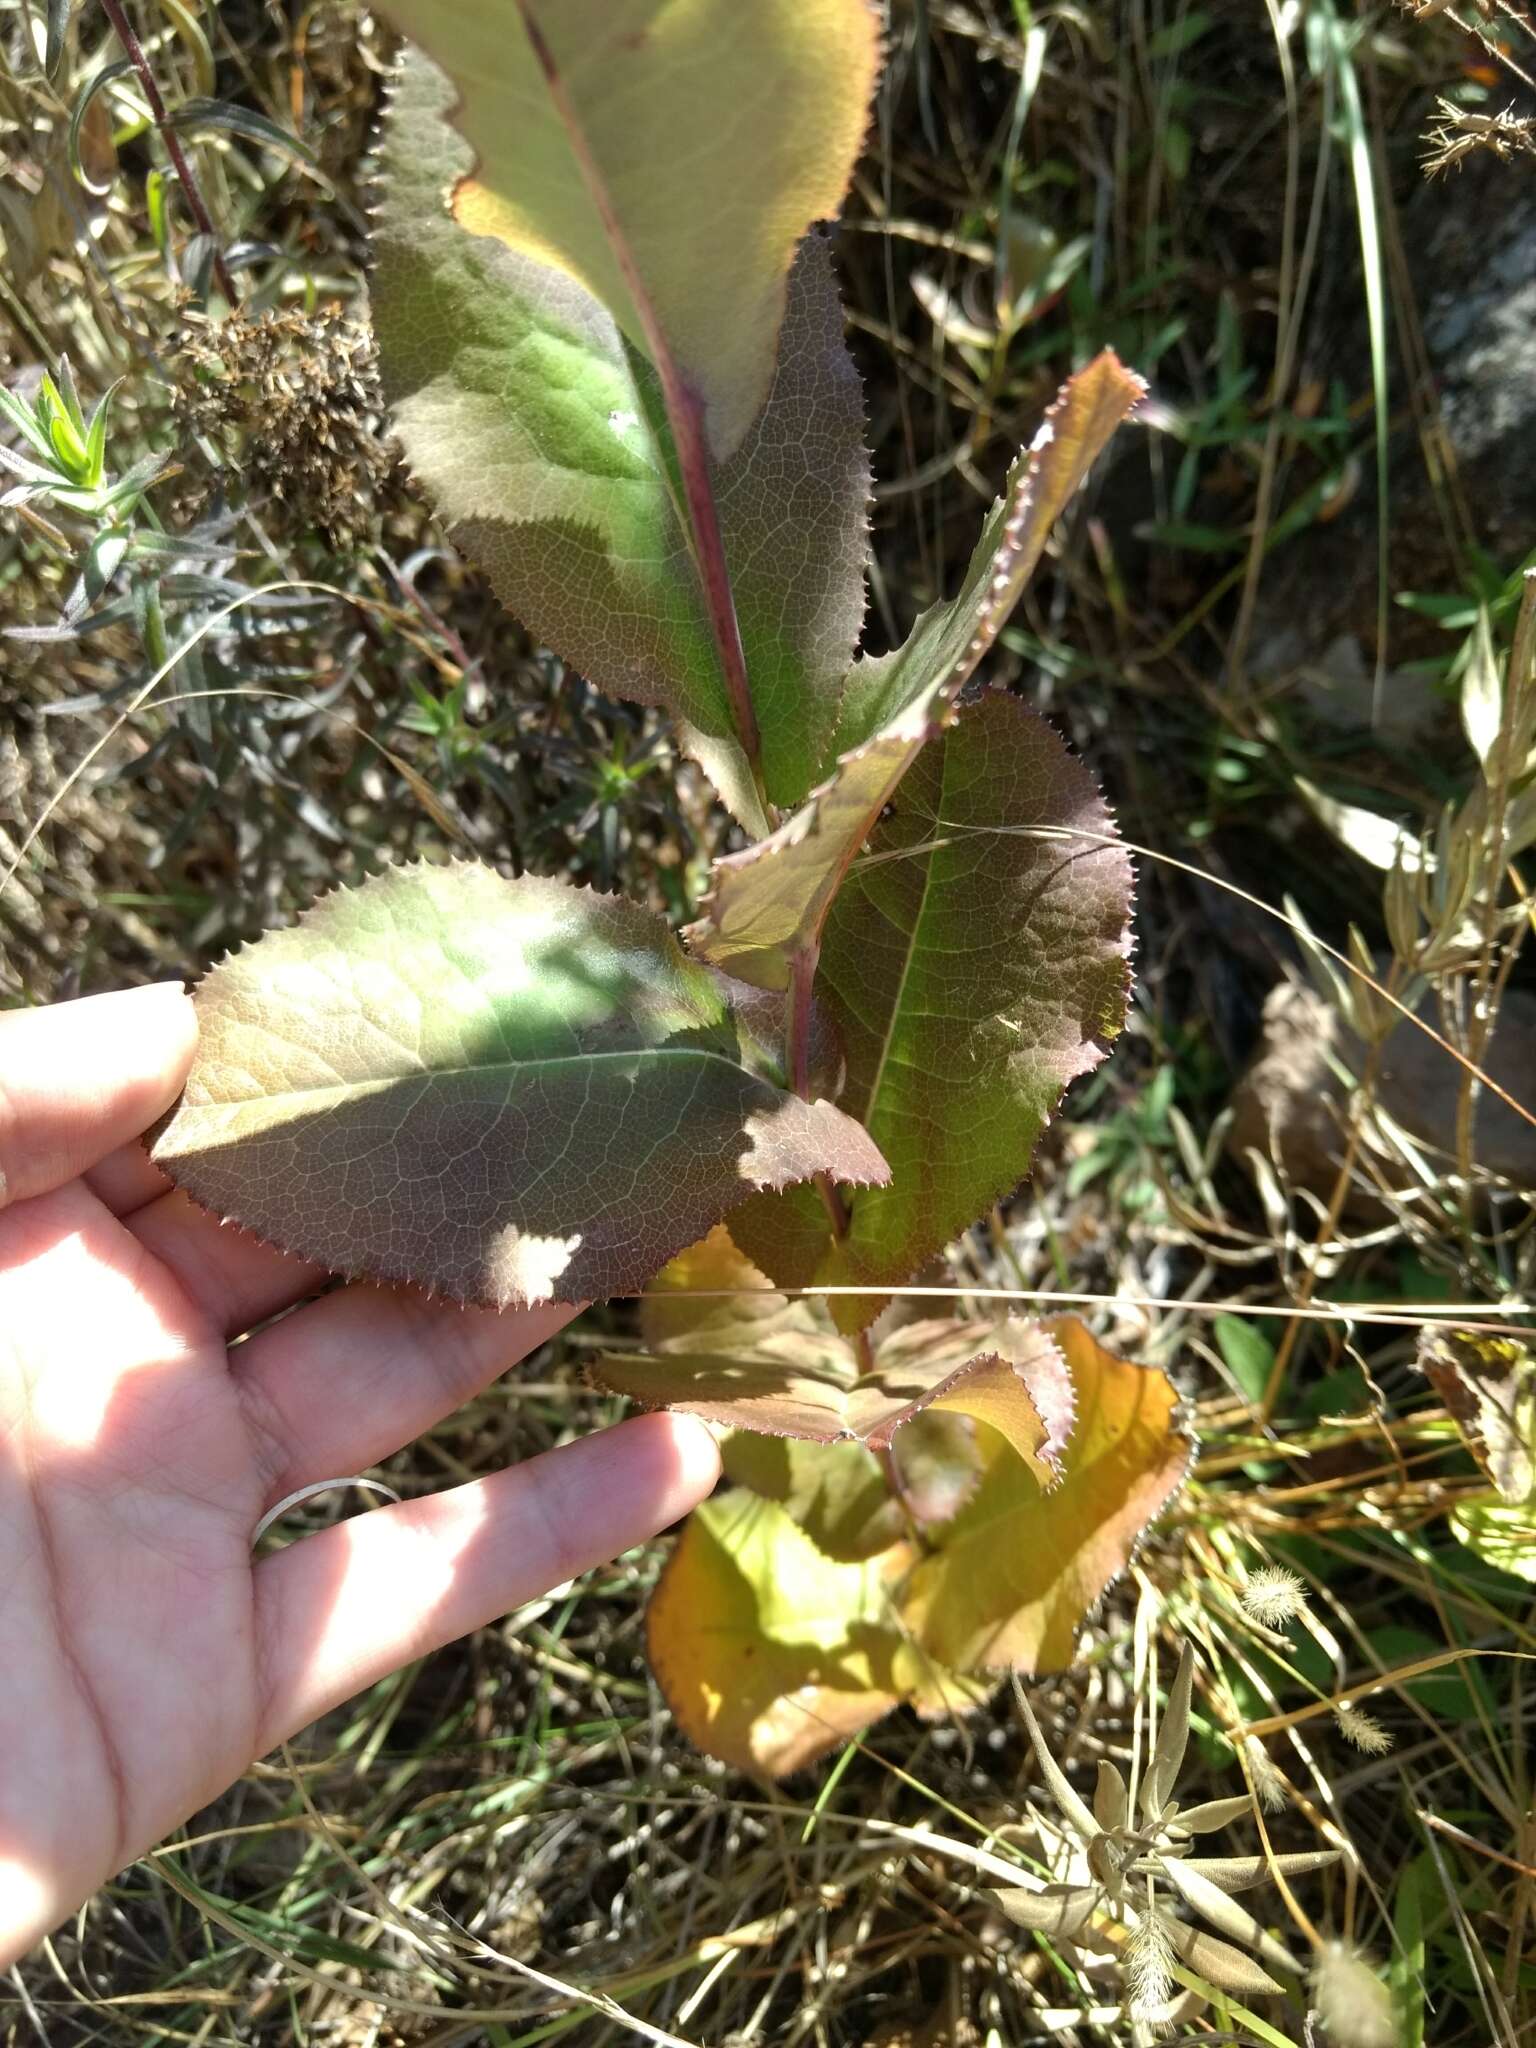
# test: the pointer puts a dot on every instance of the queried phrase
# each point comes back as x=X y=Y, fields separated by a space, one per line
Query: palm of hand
x=131 y=1486
x=147 y=1659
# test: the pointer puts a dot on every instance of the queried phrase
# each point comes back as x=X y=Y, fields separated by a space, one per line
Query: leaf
x=776 y=1389
x=1111 y=1800
x=948 y=1341
x=1172 y=1740
x=669 y=158
x=972 y=970
x=504 y=1091
x=950 y=639
x=711 y=1298
x=769 y=1653
x=1060 y=1910
x=1223 y=1965
x=1247 y=1354
x=839 y=1493
x=541 y=433
x=1242 y=1873
x=1223 y=1913
x=1018 y=1569
x=836 y=1493
x=1501 y=1534
x=769 y=903
x=723 y=1344
x=1488 y=1385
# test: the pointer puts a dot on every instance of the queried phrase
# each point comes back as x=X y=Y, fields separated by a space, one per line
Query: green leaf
x=972 y=970
x=769 y=903
x=1247 y=1354
x=541 y=432
x=668 y=158
x=504 y=1091
x=950 y=639
x=1016 y=1572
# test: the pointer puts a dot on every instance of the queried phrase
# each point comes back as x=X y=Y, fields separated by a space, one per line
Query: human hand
x=145 y=1659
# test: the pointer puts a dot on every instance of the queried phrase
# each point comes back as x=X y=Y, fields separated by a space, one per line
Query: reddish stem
x=133 y=49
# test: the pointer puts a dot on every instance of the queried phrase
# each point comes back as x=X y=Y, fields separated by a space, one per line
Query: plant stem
x=133 y=49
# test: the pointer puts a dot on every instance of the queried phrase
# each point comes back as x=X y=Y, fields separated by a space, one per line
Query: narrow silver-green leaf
x=1226 y=1967
x=1242 y=1873
x=1060 y=1910
x=1172 y=1740
x=1213 y=1904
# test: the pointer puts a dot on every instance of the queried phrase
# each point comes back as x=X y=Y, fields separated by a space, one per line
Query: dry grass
x=511 y=1843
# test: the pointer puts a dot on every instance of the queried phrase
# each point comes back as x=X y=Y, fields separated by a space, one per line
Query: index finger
x=79 y=1079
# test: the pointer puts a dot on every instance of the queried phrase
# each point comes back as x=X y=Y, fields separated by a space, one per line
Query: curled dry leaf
x=951 y=638
x=1488 y=1384
x=503 y=1091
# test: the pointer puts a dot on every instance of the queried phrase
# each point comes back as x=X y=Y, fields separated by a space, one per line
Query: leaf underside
x=975 y=962
x=538 y=427
x=506 y=1092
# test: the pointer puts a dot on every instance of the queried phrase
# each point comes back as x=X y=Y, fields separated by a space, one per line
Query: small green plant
x=612 y=345
x=66 y=471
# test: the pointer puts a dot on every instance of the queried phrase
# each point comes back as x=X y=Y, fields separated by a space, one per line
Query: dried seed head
x=1148 y=1960
x=1362 y=1729
x=293 y=400
x=1354 y=2004
x=1274 y=1595
x=1268 y=1782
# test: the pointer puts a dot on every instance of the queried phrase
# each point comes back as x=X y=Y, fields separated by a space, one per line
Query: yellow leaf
x=769 y=1653
x=1018 y=1569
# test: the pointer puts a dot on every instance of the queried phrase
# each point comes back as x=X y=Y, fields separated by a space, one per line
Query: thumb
x=79 y=1079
